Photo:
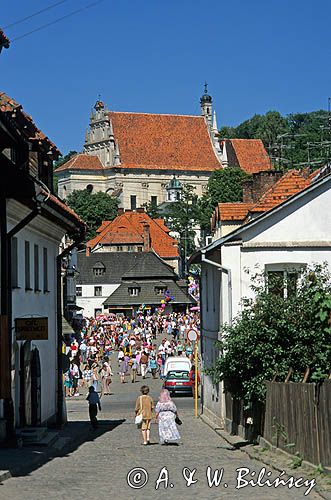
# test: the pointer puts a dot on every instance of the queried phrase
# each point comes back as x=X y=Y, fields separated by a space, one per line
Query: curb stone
x=234 y=441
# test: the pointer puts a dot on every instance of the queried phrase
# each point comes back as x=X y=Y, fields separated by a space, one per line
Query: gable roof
x=288 y=185
x=233 y=211
x=28 y=128
x=163 y=142
x=120 y=266
x=129 y=227
x=147 y=294
x=235 y=235
x=81 y=161
x=248 y=154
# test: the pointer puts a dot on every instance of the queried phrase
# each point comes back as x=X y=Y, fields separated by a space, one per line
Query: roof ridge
x=155 y=114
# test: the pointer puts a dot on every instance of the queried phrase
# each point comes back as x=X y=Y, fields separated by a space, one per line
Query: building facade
x=134 y=156
x=291 y=234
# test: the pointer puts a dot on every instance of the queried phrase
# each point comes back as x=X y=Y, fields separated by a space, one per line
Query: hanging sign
x=31 y=328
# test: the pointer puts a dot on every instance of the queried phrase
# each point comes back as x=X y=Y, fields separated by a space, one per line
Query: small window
x=27 y=265
x=14 y=263
x=36 y=268
x=283 y=282
x=79 y=291
x=130 y=248
x=133 y=201
x=119 y=249
x=99 y=271
x=159 y=290
x=133 y=291
x=45 y=269
x=97 y=312
x=97 y=291
x=154 y=201
x=139 y=249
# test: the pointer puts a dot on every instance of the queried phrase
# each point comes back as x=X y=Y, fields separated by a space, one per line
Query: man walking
x=94 y=403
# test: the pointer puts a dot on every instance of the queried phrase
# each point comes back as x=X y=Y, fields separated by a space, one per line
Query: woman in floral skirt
x=165 y=414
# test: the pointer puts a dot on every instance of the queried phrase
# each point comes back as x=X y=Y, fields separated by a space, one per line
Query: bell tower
x=99 y=139
x=206 y=104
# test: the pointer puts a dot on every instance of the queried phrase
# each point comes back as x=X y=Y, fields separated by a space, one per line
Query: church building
x=134 y=156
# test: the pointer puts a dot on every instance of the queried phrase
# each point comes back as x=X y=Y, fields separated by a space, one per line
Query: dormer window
x=159 y=290
x=99 y=269
x=134 y=291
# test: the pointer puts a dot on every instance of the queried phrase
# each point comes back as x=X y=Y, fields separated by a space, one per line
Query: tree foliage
x=93 y=208
x=181 y=218
x=224 y=185
x=301 y=132
x=273 y=334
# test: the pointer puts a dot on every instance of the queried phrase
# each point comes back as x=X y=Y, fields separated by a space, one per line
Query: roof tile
x=81 y=161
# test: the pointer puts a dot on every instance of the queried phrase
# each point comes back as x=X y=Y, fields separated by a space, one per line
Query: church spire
x=206 y=104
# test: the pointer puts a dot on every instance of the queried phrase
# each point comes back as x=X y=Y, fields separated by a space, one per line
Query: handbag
x=139 y=418
x=178 y=420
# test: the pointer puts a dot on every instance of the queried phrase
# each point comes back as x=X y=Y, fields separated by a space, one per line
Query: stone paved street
x=98 y=468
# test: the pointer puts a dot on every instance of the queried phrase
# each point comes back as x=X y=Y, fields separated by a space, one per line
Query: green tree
x=93 y=208
x=151 y=210
x=224 y=185
x=273 y=334
x=182 y=217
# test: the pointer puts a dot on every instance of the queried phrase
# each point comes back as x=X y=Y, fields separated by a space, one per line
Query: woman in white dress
x=165 y=414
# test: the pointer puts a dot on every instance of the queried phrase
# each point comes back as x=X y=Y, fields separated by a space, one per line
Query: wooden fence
x=298 y=419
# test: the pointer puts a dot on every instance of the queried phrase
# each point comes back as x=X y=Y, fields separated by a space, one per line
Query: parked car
x=177 y=363
x=178 y=382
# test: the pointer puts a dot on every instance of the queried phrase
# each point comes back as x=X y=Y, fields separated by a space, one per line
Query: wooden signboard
x=31 y=328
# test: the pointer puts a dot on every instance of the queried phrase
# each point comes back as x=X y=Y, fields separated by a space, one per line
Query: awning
x=66 y=327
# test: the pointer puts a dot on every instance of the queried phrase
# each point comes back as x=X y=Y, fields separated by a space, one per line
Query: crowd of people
x=111 y=345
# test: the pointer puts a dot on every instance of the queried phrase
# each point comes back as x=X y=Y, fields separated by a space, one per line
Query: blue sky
x=154 y=56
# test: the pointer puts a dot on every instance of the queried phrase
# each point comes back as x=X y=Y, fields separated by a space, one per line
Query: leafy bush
x=273 y=334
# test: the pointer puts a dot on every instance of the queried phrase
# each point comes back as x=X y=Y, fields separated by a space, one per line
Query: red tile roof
x=233 y=211
x=54 y=201
x=30 y=130
x=173 y=142
x=128 y=228
x=291 y=183
x=81 y=161
x=249 y=154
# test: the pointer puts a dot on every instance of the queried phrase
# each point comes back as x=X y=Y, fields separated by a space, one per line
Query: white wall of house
x=29 y=303
x=297 y=233
x=90 y=302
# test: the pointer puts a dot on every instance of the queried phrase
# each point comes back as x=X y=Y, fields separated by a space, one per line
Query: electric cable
x=34 y=14
x=88 y=6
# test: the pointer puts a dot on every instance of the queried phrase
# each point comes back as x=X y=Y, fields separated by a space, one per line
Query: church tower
x=206 y=104
x=99 y=139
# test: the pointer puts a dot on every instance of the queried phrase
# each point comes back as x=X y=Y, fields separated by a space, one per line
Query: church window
x=89 y=188
x=133 y=201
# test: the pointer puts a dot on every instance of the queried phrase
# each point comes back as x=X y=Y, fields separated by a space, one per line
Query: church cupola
x=174 y=189
x=206 y=104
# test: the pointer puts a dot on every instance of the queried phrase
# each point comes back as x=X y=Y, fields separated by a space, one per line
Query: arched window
x=99 y=269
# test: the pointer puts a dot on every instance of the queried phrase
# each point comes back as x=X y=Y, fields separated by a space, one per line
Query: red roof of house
x=248 y=154
x=128 y=228
x=81 y=161
x=291 y=183
x=233 y=211
x=175 y=142
x=30 y=129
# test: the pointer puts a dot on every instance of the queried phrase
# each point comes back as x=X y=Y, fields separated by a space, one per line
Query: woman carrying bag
x=144 y=413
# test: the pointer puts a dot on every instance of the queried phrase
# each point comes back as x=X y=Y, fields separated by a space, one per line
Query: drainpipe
x=7 y=304
x=227 y=271
x=60 y=399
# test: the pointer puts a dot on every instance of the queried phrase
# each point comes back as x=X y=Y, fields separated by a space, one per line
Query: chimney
x=146 y=238
x=120 y=211
x=258 y=184
x=88 y=251
x=140 y=210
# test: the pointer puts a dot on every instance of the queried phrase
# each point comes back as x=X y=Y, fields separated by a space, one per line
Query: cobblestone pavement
x=99 y=467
